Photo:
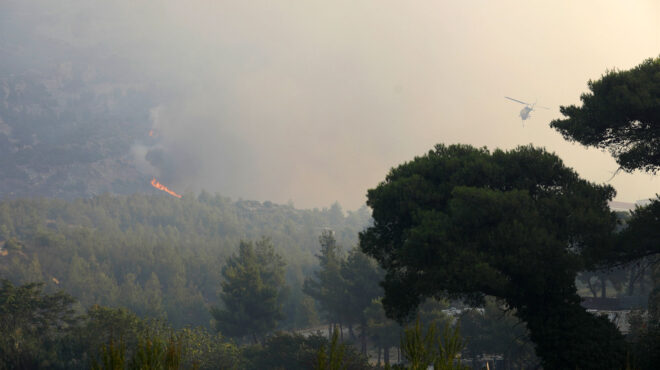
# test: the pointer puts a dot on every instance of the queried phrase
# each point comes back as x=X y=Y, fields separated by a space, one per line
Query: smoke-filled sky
x=314 y=101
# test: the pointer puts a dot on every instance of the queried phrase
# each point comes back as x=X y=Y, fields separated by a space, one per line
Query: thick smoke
x=314 y=101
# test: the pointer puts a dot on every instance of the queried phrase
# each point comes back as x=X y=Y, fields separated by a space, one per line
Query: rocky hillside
x=69 y=121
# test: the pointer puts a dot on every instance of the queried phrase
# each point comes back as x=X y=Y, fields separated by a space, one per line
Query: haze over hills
x=67 y=122
x=166 y=169
x=292 y=101
x=60 y=143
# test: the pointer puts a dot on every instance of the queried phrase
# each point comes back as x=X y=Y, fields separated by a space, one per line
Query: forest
x=464 y=249
x=463 y=258
x=152 y=267
x=155 y=273
x=111 y=250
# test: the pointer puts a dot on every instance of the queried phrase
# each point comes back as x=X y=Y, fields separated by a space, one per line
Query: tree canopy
x=622 y=114
x=31 y=325
x=327 y=285
x=156 y=255
x=641 y=237
x=252 y=291
x=344 y=285
x=518 y=225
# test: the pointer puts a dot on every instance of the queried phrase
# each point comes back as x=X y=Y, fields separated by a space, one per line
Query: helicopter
x=524 y=113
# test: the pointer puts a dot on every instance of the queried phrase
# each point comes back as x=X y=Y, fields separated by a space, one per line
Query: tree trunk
x=363 y=337
x=341 y=332
x=330 y=331
x=386 y=355
x=603 y=286
x=350 y=331
x=642 y=282
x=631 y=282
x=592 y=288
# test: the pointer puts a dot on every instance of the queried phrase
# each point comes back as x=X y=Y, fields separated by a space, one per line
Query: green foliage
x=622 y=114
x=153 y=353
x=448 y=346
x=132 y=343
x=645 y=349
x=284 y=351
x=641 y=237
x=204 y=350
x=150 y=354
x=361 y=275
x=294 y=351
x=327 y=286
x=643 y=340
x=417 y=348
x=13 y=245
x=158 y=256
x=252 y=291
x=344 y=286
x=38 y=330
x=33 y=325
x=496 y=330
x=383 y=332
x=333 y=357
x=107 y=329
x=433 y=348
x=113 y=357
x=518 y=225
x=640 y=240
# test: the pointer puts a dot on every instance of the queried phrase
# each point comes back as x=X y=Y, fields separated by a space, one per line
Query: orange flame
x=151 y=132
x=162 y=187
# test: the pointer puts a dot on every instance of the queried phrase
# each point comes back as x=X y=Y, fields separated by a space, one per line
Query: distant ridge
x=622 y=206
x=627 y=206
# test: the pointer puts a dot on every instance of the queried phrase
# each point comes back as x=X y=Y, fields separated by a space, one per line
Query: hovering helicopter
x=524 y=113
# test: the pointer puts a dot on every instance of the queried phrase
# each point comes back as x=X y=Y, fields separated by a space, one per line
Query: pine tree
x=252 y=291
x=328 y=286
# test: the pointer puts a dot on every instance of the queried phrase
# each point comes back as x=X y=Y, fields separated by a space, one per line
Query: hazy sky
x=314 y=101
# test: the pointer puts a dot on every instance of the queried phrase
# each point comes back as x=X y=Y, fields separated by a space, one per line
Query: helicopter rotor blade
x=517 y=101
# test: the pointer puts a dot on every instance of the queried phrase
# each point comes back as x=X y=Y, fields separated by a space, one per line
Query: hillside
x=67 y=132
x=158 y=255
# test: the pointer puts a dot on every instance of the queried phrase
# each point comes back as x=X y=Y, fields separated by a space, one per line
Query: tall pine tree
x=327 y=286
x=252 y=291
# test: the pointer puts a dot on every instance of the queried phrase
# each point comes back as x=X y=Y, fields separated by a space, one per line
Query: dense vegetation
x=621 y=113
x=157 y=255
x=148 y=273
x=150 y=281
x=40 y=330
x=463 y=222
